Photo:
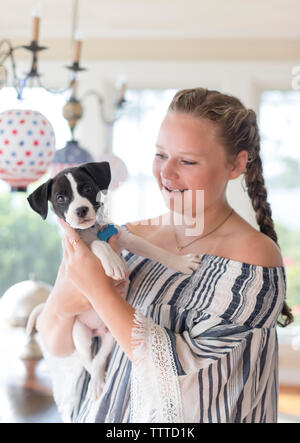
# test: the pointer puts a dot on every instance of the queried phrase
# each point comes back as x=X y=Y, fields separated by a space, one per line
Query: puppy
x=76 y=195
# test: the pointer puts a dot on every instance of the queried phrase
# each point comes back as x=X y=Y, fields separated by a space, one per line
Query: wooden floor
x=24 y=405
x=22 y=401
x=289 y=403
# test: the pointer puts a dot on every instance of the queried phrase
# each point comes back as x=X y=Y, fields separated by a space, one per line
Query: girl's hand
x=83 y=268
x=55 y=323
x=85 y=271
x=79 y=271
x=65 y=298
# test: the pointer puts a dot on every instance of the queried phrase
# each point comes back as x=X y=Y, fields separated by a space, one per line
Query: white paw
x=115 y=267
x=188 y=263
x=113 y=264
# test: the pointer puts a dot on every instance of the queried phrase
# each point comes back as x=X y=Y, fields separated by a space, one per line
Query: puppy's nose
x=82 y=211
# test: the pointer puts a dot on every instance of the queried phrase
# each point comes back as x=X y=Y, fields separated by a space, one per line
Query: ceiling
x=155 y=20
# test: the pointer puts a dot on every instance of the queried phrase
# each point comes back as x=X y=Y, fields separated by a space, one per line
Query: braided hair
x=237 y=129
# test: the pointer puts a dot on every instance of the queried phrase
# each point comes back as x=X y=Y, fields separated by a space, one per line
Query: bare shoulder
x=258 y=249
x=246 y=244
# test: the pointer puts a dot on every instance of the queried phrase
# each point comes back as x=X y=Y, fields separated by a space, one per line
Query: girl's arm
x=56 y=321
x=81 y=285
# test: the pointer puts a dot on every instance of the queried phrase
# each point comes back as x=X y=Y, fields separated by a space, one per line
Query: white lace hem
x=155 y=391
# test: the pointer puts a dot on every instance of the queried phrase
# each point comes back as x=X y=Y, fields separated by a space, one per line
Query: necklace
x=179 y=248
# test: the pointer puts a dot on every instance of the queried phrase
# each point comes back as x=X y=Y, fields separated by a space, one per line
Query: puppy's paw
x=188 y=263
x=113 y=264
x=115 y=267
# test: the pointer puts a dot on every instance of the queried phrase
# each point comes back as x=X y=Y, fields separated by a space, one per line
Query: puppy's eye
x=60 y=198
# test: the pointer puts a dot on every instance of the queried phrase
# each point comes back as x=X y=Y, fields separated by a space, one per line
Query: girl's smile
x=189 y=157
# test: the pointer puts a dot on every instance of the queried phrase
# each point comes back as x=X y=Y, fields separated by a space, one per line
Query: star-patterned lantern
x=27 y=146
x=71 y=155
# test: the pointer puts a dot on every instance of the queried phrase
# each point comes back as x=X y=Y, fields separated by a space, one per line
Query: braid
x=258 y=194
x=238 y=131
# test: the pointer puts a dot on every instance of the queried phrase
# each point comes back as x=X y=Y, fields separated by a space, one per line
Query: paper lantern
x=119 y=172
x=27 y=146
x=71 y=155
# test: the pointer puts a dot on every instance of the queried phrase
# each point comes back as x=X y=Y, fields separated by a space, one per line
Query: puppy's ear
x=38 y=200
x=100 y=173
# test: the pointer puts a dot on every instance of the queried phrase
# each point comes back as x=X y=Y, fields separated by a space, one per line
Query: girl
x=199 y=348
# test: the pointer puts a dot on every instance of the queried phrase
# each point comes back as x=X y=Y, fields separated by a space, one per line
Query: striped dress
x=207 y=349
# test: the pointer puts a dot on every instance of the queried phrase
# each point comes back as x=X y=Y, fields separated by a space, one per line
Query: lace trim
x=155 y=391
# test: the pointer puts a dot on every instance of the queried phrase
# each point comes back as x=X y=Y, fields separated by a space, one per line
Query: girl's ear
x=239 y=165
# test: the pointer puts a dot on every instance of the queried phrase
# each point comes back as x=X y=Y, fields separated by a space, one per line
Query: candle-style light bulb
x=121 y=86
x=36 y=16
x=77 y=46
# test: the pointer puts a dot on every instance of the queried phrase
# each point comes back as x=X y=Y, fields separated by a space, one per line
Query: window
x=280 y=142
x=134 y=142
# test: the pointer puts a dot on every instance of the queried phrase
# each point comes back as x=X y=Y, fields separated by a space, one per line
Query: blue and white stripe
x=219 y=326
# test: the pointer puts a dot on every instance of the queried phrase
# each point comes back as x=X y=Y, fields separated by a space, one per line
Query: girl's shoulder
x=246 y=244
x=259 y=249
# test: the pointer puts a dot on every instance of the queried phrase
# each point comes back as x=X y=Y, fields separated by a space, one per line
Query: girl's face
x=190 y=157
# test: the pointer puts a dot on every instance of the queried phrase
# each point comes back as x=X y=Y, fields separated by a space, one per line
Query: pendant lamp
x=71 y=155
x=27 y=146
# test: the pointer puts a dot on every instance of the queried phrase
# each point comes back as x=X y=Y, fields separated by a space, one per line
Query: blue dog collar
x=107 y=232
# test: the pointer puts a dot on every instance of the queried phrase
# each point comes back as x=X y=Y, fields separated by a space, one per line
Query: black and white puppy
x=76 y=197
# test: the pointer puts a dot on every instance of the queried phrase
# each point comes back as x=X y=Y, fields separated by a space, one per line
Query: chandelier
x=25 y=154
